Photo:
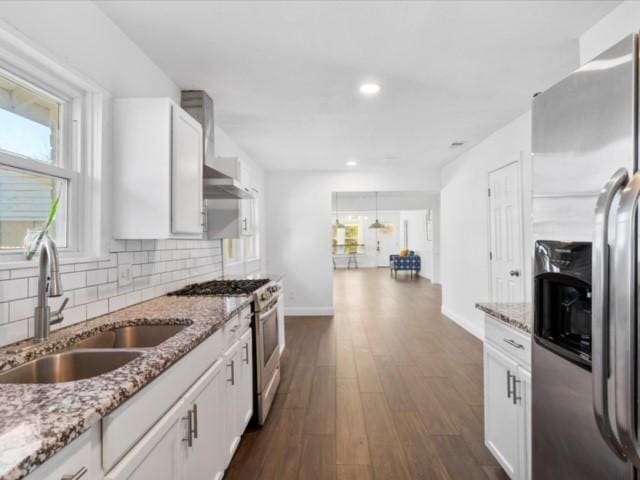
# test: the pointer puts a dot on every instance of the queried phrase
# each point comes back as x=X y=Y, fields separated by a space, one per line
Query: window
x=51 y=129
x=348 y=239
x=231 y=247
x=33 y=167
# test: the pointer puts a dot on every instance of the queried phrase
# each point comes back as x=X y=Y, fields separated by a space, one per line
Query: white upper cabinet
x=157 y=174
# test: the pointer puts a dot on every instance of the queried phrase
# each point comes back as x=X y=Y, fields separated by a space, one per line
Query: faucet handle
x=57 y=317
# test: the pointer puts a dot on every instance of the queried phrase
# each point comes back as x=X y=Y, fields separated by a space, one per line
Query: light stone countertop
x=41 y=419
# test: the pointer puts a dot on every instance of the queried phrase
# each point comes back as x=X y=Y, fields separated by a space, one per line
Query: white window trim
x=22 y=58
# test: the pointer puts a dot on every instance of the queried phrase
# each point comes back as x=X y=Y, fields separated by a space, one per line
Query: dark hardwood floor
x=388 y=388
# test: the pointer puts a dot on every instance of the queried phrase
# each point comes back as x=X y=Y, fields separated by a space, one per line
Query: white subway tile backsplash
x=157 y=267
x=118 y=246
x=123 y=301
x=97 y=277
x=140 y=257
x=108 y=290
x=24 y=272
x=4 y=312
x=133 y=245
x=112 y=262
x=71 y=281
x=19 y=309
x=148 y=244
x=13 y=289
x=95 y=309
x=81 y=267
x=86 y=295
x=125 y=258
x=113 y=274
x=12 y=332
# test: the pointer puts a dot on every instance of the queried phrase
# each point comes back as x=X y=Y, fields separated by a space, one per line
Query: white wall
x=620 y=22
x=298 y=205
x=429 y=250
x=78 y=36
x=464 y=223
x=405 y=200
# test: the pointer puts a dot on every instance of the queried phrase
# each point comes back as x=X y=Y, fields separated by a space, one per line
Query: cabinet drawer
x=509 y=340
x=79 y=460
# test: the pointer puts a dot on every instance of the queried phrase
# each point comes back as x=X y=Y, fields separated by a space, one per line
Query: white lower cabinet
x=501 y=414
x=205 y=457
x=185 y=425
x=507 y=398
x=161 y=454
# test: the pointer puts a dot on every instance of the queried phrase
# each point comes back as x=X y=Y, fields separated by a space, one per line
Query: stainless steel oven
x=267 y=357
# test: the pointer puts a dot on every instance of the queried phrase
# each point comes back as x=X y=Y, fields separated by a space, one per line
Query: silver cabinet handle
x=508 y=384
x=189 y=419
x=624 y=311
x=516 y=397
x=75 y=476
x=232 y=380
x=600 y=312
x=513 y=343
x=195 y=420
x=246 y=352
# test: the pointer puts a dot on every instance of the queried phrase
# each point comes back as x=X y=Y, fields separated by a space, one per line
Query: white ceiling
x=284 y=75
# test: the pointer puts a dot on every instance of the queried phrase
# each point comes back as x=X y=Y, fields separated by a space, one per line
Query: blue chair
x=409 y=263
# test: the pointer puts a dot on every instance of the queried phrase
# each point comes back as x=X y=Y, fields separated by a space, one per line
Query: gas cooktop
x=221 y=287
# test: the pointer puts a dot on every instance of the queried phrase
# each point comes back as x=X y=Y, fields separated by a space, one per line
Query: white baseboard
x=309 y=311
x=470 y=326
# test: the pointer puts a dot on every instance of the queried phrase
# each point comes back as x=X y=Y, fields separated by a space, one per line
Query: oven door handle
x=600 y=326
x=264 y=315
x=625 y=314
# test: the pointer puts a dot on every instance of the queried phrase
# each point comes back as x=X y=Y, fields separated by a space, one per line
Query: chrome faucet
x=49 y=285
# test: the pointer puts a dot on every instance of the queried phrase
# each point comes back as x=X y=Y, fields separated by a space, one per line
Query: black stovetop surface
x=221 y=287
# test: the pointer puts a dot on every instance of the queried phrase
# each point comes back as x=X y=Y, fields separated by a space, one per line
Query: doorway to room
x=368 y=227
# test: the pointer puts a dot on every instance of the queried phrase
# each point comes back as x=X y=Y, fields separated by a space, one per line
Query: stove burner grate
x=220 y=287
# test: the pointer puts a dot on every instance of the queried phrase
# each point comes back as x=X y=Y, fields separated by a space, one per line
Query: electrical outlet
x=292 y=296
x=124 y=275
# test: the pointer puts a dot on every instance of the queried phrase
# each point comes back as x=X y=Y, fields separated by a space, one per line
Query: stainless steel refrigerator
x=585 y=195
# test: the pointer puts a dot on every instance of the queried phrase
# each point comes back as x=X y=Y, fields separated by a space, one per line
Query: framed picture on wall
x=429 y=225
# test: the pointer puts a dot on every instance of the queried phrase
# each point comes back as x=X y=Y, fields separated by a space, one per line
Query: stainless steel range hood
x=219 y=182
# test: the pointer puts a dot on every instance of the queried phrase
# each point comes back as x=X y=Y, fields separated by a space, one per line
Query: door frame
x=520 y=210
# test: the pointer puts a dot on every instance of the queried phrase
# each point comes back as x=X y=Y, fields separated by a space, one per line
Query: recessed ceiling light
x=369 y=89
x=352 y=163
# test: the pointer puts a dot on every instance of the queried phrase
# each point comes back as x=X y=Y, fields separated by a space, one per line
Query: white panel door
x=501 y=414
x=206 y=459
x=161 y=454
x=187 y=214
x=507 y=281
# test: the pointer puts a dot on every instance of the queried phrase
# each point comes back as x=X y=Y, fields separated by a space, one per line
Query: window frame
x=80 y=144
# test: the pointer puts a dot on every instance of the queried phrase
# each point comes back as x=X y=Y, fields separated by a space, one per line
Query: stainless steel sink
x=69 y=366
x=136 y=336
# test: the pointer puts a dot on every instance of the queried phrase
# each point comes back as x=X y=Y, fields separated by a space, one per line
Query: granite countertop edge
x=32 y=413
x=517 y=315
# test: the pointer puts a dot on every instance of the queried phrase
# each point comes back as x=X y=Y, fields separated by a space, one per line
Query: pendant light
x=376 y=224
x=338 y=223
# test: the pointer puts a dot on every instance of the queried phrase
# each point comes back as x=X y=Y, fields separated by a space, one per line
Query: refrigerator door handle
x=625 y=311
x=600 y=314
